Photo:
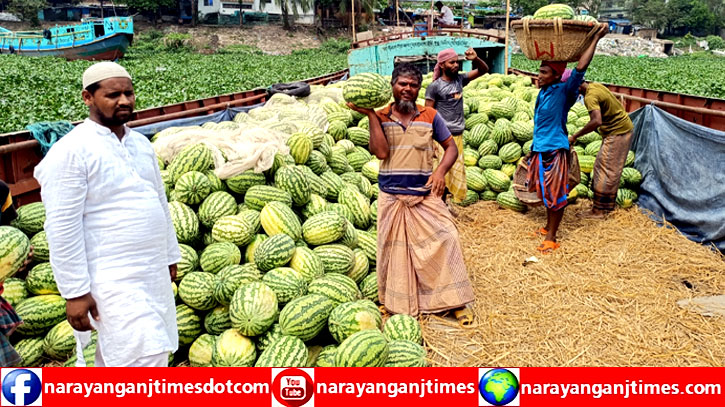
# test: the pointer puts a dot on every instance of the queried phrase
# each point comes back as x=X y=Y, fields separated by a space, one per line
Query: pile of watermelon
x=499 y=112
x=563 y=11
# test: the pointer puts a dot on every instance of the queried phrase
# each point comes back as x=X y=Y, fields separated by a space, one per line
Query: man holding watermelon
x=445 y=94
x=112 y=243
x=548 y=168
x=420 y=264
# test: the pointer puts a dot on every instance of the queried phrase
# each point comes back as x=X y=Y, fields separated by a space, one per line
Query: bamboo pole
x=430 y=18
x=354 y=37
x=463 y=12
x=506 y=50
x=397 y=14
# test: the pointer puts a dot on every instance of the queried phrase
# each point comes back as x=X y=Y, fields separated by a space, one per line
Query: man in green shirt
x=608 y=116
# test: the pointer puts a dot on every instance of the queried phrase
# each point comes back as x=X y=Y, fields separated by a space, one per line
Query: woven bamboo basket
x=555 y=39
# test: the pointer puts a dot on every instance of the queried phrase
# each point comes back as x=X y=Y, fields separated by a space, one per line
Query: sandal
x=539 y=232
x=464 y=317
x=383 y=310
x=548 y=247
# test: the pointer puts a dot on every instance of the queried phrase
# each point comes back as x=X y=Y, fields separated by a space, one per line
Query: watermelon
x=306 y=316
x=285 y=351
x=508 y=200
x=201 y=350
x=358 y=205
x=317 y=162
x=217 y=320
x=197 y=290
x=334 y=184
x=593 y=148
x=60 y=343
x=361 y=268
x=510 y=152
x=402 y=327
x=215 y=182
x=259 y=195
x=194 y=157
x=278 y=218
x=586 y=163
x=337 y=129
x=188 y=324
x=487 y=147
x=41 y=251
x=236 y=229
x=218 y=255
x=286 y=282
x=31 y=218
x=368 y=242
x=337 y=287
x=626 y=198
x=189 y=261
x=324 y=227
x=369 y=287
x=14 y=290
x=230 y=278
x=233 y=349
x=40 y=280
x=488 y=195
x=301 y=146
x=351 y=317
x=14 y=250
x=307 y=263
x=490 y=162
x=31 y=351
x=367 y=90
x=40 y=313
x=186 y=223
x=402 y=353
x=241 y=183
x=366 y=348
x=216 y=206
x=497 y=180
x=475 y=181
x=550 y=11
x=326 y=358
x=630 y=159
x=292 y=179
x=631 y=177
x=470 y=199
x=268 y=337
x=192 y=188
x=274 y=252
x=253 y=309
x=336 y=258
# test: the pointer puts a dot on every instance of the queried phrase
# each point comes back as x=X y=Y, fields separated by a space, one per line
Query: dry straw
x=607 y=297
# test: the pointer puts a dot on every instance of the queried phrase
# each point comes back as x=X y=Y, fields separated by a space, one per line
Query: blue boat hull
x=110 y=47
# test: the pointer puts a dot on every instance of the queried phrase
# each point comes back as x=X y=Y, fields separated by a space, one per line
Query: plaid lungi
x=9 y=321
x=420 y=263
x=549 y=175
x=456 y=176
x=608 y=169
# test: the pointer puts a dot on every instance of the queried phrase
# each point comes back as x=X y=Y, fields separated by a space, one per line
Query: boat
x=91 y=39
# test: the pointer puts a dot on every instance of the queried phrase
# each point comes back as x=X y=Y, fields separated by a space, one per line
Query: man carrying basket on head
x=548 y=167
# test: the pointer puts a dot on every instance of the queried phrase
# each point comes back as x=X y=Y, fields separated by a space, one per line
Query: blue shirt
x=552 y=107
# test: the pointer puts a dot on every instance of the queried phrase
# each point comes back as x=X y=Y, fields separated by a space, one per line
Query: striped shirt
x=410 y=162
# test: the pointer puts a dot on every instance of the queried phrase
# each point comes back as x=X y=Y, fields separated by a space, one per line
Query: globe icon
x=499 y=387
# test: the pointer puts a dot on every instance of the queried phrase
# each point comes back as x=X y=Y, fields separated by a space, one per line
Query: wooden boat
x=91 y=39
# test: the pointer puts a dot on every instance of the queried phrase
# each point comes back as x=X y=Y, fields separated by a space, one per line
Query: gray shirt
x=448 y=98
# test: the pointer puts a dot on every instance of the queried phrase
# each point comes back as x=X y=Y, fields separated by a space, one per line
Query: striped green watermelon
x=280 y=160
x=241 y=183
x=336 y=258
x=351 y=317
x=334 y=184
x=31 y=351
x=217 y=320
x=192 y=188
x=523 y=131
x=253 y=309
x=509 y=169
x=470 y=199
x=342 y=115
x=230 y=278
x=300 y=147
x=307 y=263
x=306 y=316
x=366 y=348
x=370 y=170
x=40 y=313
x=326 y=358
x=497 y=180
x=626 y=198
x=470 y=157
x=41 y=251
x=186 y=223
x=201 y=350
x=493 y=162
x=285 y=351
x=630 y=159
x=316 y=205
x=550 y=11
x=218 y=255
x=361 y=268
x=402 y=327
x=338 y=161
x=249 y=251
x=325 y=227
x=197 y=290
x=402 y=353
x=60 y=343
x=593 y=148
x=337 y=287
x=278 y=218
x=235 y=229
x=501 y=133
x=526 y=148
x=259 y=195
x=286 y=282
x=215 y=182
x=358 y=205
x=14 y=290
x=631 y=177
x=508 y=200
x=368 y=242
x=357 y=159
x=317 y=162
x=194 y=157
x=216 y=206
x=364 y=123
x=274 y=252
x=488 y=195
x=510 y=152
x=349 y=239
x=270 y=335
x=40 y=280
x=14 y=250
x=475 y=181
x=487 y=147
x=189 y=261
x=31 y=218
x=367 y=90
x=369 y=287
x=586 y=163
x=337 y=129
x=233 y=349
x=359 y=136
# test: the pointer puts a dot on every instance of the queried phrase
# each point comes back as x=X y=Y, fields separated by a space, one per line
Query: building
x=229 y=9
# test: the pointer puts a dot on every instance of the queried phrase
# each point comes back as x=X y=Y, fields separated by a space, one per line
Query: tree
x=690 y=15
x=528 y=7
x=592 y=6
x=153 y=6
x=650 y=13
x=285 y=5
x=27 y=9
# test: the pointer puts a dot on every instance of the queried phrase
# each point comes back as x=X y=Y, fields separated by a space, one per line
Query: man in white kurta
x=113 y=246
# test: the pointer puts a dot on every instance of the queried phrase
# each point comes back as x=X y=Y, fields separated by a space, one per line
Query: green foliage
x=715 y=42
x=149 y=5
x=27 y=9
x=176 y=42
x=702 y=75
x=40 y=89
x=528 y=7
x=690 y=15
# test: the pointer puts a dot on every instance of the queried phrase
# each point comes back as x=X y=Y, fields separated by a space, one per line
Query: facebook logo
x=22 y=387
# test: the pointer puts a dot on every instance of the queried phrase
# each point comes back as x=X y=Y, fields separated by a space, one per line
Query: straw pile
x=607 y=297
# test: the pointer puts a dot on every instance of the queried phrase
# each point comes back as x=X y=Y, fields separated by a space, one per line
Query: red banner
x=349 y=387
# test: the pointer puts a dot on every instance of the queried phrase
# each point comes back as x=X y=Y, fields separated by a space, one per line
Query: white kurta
x=110 y=234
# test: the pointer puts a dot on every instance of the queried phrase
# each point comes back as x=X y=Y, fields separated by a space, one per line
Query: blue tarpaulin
x=683 y=169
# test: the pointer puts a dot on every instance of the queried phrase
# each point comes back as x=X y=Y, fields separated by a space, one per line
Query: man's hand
x=77 y=309
x=437 y=184
x=603 y=30
x=172 y=271
x=572 y=140
x=362 y=110
x=471 y=54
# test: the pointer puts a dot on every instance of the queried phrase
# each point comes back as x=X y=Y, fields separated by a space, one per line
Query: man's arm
x=480 y=67
x=442 y=135
x=588 y=54
x=595 y=120
x=378 y=143
x=64 y=187
x=430 y=103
